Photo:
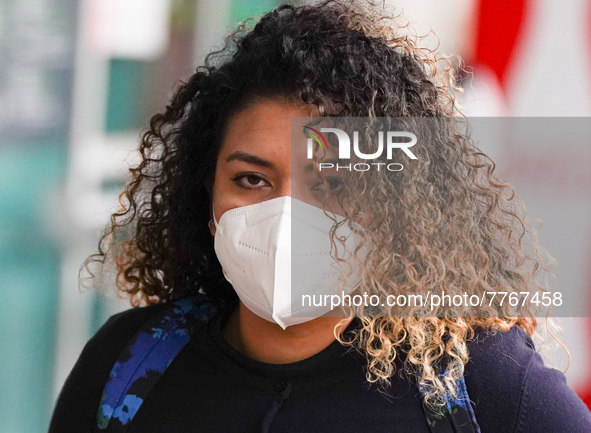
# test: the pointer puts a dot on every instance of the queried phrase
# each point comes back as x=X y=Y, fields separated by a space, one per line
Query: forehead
x=266 y=127
x=263 y=125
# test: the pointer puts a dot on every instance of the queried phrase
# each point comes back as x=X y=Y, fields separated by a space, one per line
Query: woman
x=222 y=150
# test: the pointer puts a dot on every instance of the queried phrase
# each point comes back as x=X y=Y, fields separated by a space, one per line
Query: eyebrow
x=249 y=158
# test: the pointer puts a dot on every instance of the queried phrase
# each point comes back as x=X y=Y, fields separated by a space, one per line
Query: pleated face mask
x=279 y=250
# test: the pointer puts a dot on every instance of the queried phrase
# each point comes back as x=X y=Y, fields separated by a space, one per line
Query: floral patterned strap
x=144 y=360
x=457 y=415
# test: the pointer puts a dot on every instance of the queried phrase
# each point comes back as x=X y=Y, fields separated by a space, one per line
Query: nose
x=297 y=188
x=294 y=188
x=285 y=187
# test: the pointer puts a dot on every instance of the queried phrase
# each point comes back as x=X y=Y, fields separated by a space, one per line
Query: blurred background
x=79 y=80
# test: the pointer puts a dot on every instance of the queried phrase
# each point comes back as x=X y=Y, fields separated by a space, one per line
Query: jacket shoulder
x=512 y=390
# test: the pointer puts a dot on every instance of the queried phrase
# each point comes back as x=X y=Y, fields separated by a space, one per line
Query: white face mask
x=272 y=250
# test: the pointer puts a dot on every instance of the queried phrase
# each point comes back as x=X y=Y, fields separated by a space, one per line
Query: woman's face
x=255 y=159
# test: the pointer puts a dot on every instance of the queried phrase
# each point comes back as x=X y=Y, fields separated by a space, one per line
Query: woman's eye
x=250 y=181
x=330 y=184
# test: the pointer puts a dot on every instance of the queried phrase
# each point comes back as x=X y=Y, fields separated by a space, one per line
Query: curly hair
x=449 y=224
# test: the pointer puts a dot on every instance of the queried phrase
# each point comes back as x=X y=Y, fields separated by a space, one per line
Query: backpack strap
x=145 y=359
x=457 y=416
x=147 y=356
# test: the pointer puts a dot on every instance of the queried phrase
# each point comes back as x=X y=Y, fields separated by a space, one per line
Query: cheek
x=224 y=195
